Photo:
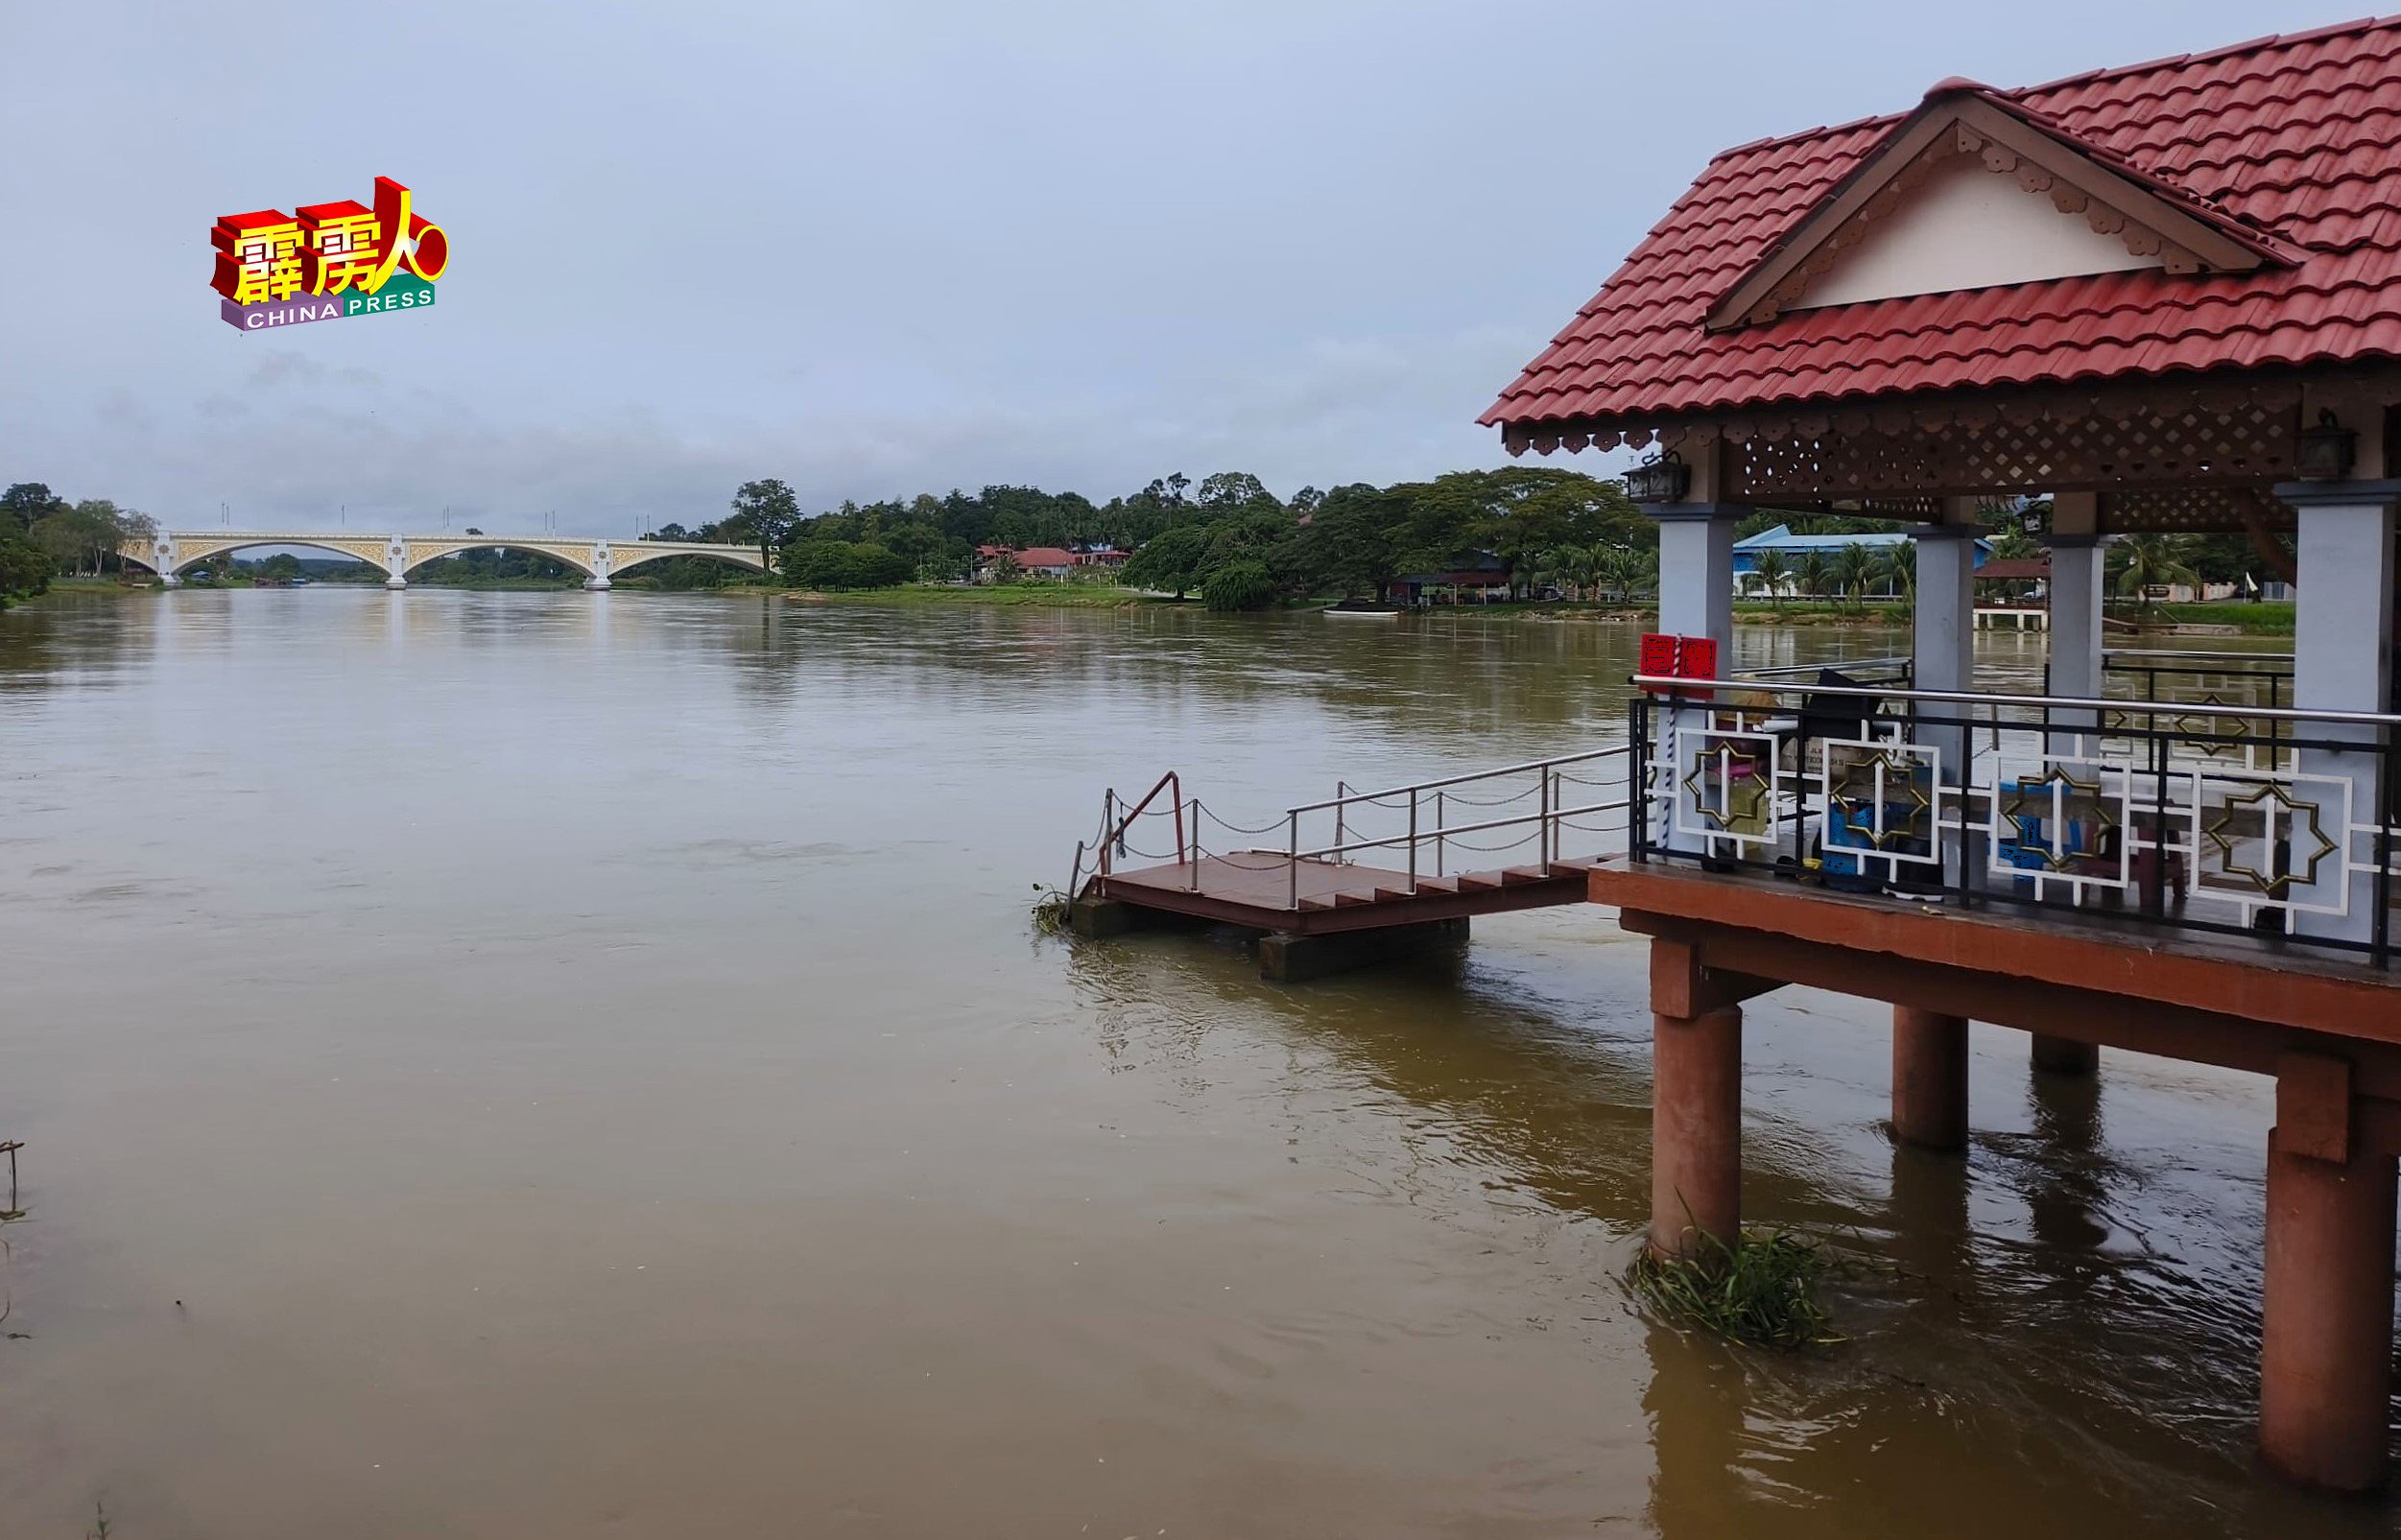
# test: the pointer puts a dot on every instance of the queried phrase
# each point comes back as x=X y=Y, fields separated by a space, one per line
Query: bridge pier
x=595 y=584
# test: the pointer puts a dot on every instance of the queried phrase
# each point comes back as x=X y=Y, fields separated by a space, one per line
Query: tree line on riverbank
x=44 y=535
x=1225 y=537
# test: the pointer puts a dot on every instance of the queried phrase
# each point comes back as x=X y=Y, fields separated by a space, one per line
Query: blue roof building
x=1792 y=547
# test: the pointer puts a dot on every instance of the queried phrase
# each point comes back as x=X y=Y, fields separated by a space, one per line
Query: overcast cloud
x=883 y=249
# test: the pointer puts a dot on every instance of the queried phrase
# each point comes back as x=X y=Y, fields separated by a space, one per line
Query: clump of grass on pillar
x=1050 y=910
x=1761 y=1291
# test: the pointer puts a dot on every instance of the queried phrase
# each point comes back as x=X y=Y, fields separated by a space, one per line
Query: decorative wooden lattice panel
x=2192 y=511
x=1917 y=509
x=2004 y=447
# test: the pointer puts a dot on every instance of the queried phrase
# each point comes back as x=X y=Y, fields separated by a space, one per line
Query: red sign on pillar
x=1683 y=657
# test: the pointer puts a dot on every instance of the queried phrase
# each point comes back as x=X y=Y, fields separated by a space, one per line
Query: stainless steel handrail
x=1675 y=683
x=2195 y=653
x=1784 y=669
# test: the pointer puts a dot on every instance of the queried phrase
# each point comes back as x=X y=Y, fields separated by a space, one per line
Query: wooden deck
x=2225 y=1000
x=1255 y=890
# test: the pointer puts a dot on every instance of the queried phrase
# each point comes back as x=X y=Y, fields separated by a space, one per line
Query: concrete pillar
x=1696 y=599
x=395 y=563
x=2343 y=661
x=598 y=582
x=1929 y=1078
x=1696 y=1129
x=1943 y=644
x=2076 y=631
x=2076 y=650
x=1098 y=919
x=2066 y=1055
x=2326 y=1316
x=1286 y=959
x=1696 y=570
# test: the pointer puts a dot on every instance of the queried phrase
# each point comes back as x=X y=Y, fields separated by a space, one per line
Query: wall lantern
x=1660 y=479
x=2326 y=451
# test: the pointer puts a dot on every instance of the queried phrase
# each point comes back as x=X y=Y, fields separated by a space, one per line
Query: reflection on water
x=538 y=1064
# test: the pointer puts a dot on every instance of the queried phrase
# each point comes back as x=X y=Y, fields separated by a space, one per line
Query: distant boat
x=1360 y=609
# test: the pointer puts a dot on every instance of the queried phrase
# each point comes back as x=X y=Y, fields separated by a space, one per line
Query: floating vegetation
x=1051 y=909
x=1761 y=1291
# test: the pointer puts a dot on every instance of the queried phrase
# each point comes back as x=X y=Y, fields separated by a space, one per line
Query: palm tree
x=1574 y=568
x=1853 y=569
x=1633 y=569
x=1773 y=572
x=1811 y=572
x=1621 y=568
x=2154 y=561
x=1896 y=568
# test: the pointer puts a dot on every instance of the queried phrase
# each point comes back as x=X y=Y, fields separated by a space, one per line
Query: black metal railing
x=2210 y=816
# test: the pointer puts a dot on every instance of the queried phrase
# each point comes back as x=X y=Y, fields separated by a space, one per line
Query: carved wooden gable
x=1973 y=192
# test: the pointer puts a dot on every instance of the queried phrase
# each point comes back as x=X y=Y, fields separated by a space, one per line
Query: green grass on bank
x=2250 y=619
x=61 y=586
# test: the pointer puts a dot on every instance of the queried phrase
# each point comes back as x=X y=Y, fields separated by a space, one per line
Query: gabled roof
x=2152 y=215
x=2286 y=148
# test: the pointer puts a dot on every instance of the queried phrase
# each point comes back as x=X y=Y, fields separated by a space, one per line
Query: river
x=540 y=1065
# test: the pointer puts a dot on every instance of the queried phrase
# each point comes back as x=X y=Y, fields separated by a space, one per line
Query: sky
x=887 y=246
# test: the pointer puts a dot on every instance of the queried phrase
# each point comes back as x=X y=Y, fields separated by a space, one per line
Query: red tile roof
x=2297 y=138
x=1045 y=555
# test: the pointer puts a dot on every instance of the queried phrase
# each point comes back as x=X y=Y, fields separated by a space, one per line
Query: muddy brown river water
x=532 y=1065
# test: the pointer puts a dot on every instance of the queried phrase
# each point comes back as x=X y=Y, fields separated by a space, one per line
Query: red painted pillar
x=1696 y=1128
x=1929 y=1078
x=2326 y=1328
x=2066 y=1055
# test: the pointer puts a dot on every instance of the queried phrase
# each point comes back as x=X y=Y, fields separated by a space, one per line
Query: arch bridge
x=170 y=554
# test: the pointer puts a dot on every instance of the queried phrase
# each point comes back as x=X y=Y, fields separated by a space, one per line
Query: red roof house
x=1034 y=561
x=2234 y=209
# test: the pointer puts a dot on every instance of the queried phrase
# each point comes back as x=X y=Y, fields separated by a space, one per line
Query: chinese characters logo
x=328 y=261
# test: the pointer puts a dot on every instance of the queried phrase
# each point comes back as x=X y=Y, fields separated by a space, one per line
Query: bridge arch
x=578 y=554
x=188 y=554
x=640 y=553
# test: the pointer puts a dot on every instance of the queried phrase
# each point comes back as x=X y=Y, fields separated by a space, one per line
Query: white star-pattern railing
x=2210 y=814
